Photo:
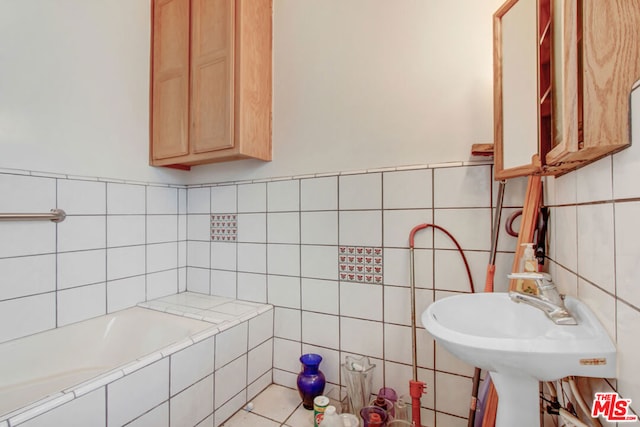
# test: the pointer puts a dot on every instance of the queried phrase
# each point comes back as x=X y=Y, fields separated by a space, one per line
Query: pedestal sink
x=520 y=346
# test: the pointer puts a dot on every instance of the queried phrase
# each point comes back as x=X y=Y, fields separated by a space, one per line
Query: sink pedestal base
x=518 y=400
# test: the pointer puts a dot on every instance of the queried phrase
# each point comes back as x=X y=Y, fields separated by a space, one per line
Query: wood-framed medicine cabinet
x=563 y=75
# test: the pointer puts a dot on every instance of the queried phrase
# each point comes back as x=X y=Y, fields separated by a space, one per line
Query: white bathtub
x=54 y=361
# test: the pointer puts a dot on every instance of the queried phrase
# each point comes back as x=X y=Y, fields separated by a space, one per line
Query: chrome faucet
x=548 y=299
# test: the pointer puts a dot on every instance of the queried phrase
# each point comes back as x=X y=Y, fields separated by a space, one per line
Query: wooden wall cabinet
x=210 y=81
x=587 y=62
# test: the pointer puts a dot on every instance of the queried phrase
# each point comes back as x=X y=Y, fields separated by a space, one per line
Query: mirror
x=516 y=100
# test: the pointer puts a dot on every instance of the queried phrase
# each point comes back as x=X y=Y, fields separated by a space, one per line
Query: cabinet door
x=212 y=75
x=170 y=80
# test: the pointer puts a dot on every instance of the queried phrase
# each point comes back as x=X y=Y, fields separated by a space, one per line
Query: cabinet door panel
x=170 y=87
x=212 y=40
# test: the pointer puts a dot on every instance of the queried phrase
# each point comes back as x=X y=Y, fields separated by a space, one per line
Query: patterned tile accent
x=360 y=264
x=224 y=227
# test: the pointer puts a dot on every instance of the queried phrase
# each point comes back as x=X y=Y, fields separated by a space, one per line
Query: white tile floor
x=276 y=406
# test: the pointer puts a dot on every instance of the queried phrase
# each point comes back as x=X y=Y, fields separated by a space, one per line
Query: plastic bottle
x=528 y=264
x=331 y=418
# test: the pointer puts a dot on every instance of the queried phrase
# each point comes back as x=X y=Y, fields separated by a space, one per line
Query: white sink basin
x=520 y=346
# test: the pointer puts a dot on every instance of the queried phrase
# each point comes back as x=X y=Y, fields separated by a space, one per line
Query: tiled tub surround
x=141 y=367
x=287 y=253
x=121 y=243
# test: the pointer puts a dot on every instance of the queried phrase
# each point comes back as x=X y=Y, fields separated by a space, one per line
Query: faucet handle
x=530 y=275
x=541 y=279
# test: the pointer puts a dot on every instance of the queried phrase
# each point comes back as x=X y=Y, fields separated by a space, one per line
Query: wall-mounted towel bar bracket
x=56 y=215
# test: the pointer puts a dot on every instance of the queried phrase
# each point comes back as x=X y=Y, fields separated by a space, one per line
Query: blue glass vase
x=311 y=380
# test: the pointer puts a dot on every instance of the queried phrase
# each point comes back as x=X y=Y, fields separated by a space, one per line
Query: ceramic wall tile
x=224 y=283
x=398 y=225
x=199 y=200
x=252 y=287
x=410 y=189
x=360 y=228
x=252 y=197
x=125 y=262
x=162 y=256
x=124 y=293
x=450 y=272
x=627 y=252
x=161 y=284
x=27 y=194
x=455 y=400
x=397 y=305
x=286 y=354
x=260 y=329
x=126 y=230
x=626 y=163
x=191 y=365
x=198 y=254
x=320 y=295
x=193 y=404
x=602 y=305
x=361 y=264
x=28 y=276
x=360 y=191
x=361 y=337
x=319 y=193
x=594 y=181
x=319 y=228
x=283 y=227
x=283 y=259
x=471 y=228
x=252 y=257
x=330 y=365
x=223 y=255
x=24 y=316
x=82 y=197
x=224 y=199
x=565 y=248
x=87 y=410
x=596 y=245
x=125 y=199
x=287 y=323
x=81 y=303
x=361 y=300
x=397 y=339
x=230 y=344
x=462 y=187
x=320 y=329
x=77 y=233
x=628 y=330
x=283 y=196
x=198 y=279
x=251 y=228
x=26 y=238
x=283 y=291
x=319 y=262
x=259 y=360
x=234 y=377
x=139 y=391
x=162 y=200
x=157 y=417
x=397 y=267
x=162 y=228
x=199 y=227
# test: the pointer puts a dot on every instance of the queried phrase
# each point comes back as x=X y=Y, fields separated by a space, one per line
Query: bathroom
x=392 y=94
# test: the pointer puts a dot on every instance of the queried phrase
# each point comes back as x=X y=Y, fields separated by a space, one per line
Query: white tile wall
x=319 y=194
x=138 y=392
x=193 y=404
x=303 y=222
x=95 y=261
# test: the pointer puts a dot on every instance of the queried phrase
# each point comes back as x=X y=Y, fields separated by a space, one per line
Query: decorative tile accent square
x=360 y=264
x=224 y=227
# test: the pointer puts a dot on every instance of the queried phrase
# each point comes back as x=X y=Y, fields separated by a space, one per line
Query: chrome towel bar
x=56 y=215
